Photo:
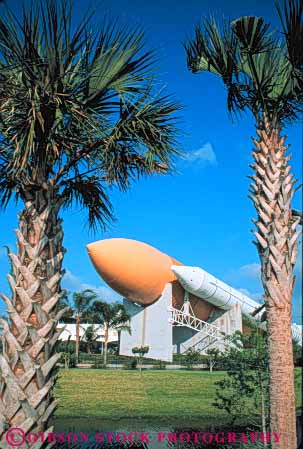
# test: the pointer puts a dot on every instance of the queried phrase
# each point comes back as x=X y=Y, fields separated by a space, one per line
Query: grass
x=119 y=393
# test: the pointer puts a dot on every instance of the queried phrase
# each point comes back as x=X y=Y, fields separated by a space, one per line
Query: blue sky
x=201 y=216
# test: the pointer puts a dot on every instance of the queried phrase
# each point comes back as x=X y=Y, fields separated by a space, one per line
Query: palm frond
x=83 y=300
x=291 y=16
x=213 y=49
x=114 y=315
x=252 y=63
x=78 y=99
x=7 y=189
x=143 y=142
x=252 y=34
x=88 y=192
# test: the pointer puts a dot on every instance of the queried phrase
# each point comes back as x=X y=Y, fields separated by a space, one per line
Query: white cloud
x=104 y=293
x=204 y=155
x=74 y=284
x=71 y=281
x=251 y=270
x=246 y=279
x=256 y=296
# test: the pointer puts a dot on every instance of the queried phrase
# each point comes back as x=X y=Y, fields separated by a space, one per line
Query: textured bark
x=78 y=322
x=277 y=246
x=28 y=363
x=105 y=344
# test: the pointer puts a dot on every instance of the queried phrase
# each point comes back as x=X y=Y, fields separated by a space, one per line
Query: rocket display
x=204 y=285
x=133 y=269
x=139 y=273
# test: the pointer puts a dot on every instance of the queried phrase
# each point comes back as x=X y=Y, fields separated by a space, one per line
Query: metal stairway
x=206 y=335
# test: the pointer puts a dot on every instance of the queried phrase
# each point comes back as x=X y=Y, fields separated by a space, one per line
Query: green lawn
x=119 y=393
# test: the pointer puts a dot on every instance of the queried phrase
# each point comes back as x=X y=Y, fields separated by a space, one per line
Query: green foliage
x=72 y=360
x=246 y=386
x=291 y=16
x=68 y=359
x=160 y=365
x=112 y=315
x=141 y=350
x=78 y=109
x=67 y=353
x=99 y=366
x=213 y=356
x=191 y=356
x=90 y=337
x=65 y=346
x=77 y=307
x=131 y=364
x=82 y=304
x=253 y=63
x=297 y=353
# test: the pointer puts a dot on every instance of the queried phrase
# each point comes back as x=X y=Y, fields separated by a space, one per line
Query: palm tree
x=258 y=76
x=112 y=317
x=291 y=16
x=90 y=337
x=82 y=301
x=78 y=112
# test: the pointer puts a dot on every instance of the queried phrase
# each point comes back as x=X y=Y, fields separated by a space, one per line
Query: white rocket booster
x=205 y=286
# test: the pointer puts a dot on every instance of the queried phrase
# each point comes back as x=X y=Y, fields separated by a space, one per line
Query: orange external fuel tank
x=139 y=272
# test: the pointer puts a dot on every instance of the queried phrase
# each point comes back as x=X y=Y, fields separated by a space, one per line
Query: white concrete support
x=150 y=326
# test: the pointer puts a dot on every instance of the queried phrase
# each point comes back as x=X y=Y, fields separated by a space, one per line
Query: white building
x=69 y=332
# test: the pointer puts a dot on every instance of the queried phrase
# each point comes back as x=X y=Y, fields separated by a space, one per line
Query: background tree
x=77 y=113
x=291 y=16
x=82 y=303
x=90 y=337
x=67 y=352
x=140 y=352
x=213 y=356
x=244 y=391
x=112 y=317
x=259 y=77
x=297 y=352
x=191 y=356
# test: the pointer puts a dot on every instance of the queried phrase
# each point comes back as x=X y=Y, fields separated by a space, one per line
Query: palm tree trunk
x=263 y=412
x=77 y=338
x=105 y=345
x=277 y=246
x=29 y=359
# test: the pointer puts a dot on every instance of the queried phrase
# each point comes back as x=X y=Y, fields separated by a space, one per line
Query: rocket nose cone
x=134 y=269
x=103 y=253
x=93 y=247
x=190 y=278
x=95 y=252
x=177 y=269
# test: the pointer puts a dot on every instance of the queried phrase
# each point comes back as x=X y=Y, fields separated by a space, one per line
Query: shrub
x=72 y=361
x=160 y=365
x=68 y=360
x=191 y=356
x=99 y=366
x=133 y=364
